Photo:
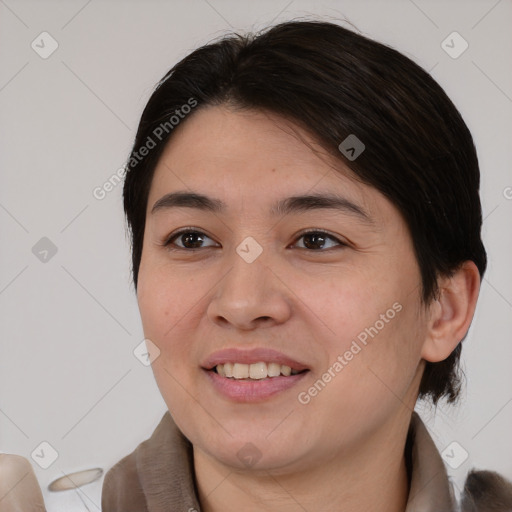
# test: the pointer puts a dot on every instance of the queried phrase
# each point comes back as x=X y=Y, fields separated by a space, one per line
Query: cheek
x=166 y=304
x=380 y=360
x=164 y=297
x=172 y=305
x=377 y=332
x=352 y=306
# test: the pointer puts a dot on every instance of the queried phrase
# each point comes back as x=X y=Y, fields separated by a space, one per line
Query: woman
x=305 y=217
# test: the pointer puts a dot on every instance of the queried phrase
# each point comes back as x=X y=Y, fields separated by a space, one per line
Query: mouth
x=252 y=375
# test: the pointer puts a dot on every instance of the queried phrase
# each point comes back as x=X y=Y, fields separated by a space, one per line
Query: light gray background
x=69 y=326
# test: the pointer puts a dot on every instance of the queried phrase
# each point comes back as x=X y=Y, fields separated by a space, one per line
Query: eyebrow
x=289 y=205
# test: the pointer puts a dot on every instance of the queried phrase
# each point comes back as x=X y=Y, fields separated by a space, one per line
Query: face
x=249 y=283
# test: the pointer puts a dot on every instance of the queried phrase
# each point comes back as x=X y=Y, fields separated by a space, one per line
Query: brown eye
x=316 y=240
x=189 y=239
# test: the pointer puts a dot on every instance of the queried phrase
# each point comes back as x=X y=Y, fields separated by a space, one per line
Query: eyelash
x=169 y=244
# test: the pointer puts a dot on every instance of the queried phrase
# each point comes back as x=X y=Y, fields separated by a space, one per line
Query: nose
x=250 y=295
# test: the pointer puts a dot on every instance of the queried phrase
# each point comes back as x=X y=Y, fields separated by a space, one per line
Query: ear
x=451 y=314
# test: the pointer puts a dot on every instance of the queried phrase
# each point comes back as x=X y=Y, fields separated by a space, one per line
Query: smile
x=252 y=375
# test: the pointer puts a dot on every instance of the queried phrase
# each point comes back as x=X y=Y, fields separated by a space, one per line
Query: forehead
x=254 y=158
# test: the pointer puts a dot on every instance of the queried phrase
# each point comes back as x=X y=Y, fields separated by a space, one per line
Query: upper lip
x=250 y=356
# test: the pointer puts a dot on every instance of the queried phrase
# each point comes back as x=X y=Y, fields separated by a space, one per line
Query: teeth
x=273 y=370
x=286 y=370
x=228 y=369
x=255 y=371
x=240 y=371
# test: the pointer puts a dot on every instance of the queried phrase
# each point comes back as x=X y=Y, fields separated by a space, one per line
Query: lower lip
x=252 y=390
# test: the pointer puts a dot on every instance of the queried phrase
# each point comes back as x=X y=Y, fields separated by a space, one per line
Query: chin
x=247 y=457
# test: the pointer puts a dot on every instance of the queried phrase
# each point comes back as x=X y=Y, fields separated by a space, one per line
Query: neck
x=372 y=477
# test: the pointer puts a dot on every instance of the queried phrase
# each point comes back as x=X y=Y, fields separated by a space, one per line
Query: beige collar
x=430 y=491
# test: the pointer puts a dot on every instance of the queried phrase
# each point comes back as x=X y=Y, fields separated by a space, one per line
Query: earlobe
x=451 y=314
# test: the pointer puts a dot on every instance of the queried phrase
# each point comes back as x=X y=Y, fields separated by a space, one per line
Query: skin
x=344 y=449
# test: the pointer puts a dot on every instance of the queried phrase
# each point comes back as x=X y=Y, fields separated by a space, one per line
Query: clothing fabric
x=158 y=476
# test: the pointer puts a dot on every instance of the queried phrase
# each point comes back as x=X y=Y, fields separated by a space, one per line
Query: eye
x=190 y=239
x=315 y=238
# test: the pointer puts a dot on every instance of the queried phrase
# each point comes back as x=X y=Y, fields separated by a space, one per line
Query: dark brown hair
x=333 y=82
